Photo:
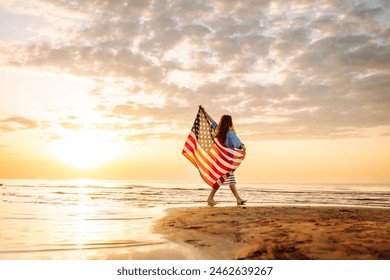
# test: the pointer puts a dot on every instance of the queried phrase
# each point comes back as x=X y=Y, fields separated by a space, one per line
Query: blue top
x=232 y=141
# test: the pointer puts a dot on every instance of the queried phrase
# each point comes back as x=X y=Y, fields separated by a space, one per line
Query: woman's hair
x=225 y=124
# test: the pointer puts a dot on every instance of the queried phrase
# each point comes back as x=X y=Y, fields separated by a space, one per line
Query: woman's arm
x=233 y=141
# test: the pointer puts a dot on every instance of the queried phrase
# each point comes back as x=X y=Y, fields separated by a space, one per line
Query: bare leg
x=210 y=200
x=240 y=201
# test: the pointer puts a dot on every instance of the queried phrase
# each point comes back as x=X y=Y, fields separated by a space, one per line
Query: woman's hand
x=243 y=148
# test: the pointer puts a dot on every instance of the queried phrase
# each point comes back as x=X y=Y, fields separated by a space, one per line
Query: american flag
x=212 y=158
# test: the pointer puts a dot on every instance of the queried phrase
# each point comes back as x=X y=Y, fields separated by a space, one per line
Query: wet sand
x=273 y=233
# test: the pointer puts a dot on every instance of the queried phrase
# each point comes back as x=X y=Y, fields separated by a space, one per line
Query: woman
x=226 y=134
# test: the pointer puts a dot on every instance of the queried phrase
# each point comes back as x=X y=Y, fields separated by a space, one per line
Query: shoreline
x=279 y=232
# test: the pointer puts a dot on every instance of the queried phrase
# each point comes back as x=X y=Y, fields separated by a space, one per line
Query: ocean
x=98 y=219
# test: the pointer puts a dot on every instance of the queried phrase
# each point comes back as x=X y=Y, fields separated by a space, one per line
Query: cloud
x=70 y=126
x=283 y=69
x=292 y=41
x=17 y=123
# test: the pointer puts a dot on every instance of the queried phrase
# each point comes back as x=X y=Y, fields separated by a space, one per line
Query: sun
x=85 y=149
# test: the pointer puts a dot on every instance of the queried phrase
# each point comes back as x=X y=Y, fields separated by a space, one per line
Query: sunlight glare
x=85 y=149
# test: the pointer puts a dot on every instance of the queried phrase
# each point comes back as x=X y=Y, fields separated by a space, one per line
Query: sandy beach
x=324 y=233
x=73 y=220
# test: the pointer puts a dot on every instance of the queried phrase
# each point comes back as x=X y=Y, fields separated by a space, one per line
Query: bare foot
x=241 y=202
x=211 y=202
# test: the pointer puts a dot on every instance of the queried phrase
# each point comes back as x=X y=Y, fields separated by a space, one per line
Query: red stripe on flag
x=210 y=164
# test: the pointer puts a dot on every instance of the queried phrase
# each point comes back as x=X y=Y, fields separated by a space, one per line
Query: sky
x=110 y=89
